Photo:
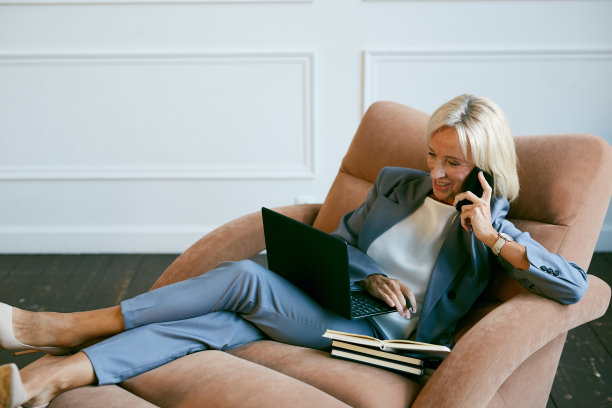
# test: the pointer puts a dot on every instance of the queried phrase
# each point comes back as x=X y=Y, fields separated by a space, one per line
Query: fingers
x=466 y=195
x=465 y=216
x=487 y=190
x=393 y=292
x=477 y=214
x=400 y=302
x=409 y=294
x=465 y=222
x=486 y=194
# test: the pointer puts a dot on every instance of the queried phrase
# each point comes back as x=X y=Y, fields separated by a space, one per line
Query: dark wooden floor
x=66 y=283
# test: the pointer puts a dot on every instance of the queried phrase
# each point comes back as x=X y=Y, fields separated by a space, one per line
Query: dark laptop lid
x=313 y=260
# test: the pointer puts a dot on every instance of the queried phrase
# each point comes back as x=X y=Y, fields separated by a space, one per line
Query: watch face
x=501 y=241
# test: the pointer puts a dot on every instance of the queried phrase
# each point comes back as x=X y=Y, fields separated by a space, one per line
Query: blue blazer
x=463 y=266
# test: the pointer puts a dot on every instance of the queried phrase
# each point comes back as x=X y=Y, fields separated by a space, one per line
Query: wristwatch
x=501 y=241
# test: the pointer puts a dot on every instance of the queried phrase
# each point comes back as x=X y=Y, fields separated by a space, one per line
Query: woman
x=408 y=246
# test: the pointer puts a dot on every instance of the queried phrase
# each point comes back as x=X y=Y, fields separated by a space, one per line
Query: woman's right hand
x=393 y=292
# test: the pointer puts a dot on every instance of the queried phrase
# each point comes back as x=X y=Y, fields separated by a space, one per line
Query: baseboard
x=99 y=239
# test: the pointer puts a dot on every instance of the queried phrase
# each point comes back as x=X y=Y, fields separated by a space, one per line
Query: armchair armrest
x=491 y=350
x=238 y=239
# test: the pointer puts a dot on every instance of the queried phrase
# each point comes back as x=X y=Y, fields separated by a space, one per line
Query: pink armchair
x=509 y=346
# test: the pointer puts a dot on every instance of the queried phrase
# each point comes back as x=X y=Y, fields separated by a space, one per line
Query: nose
x=437 y=171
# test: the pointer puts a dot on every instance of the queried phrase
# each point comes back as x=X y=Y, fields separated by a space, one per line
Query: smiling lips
x=441 y=185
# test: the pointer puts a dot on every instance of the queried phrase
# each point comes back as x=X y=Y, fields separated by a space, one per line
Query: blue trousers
x=234 y=304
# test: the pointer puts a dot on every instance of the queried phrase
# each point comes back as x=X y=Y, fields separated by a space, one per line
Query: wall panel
x=139 y=125
x=171 y=2
x=538 y=89
x=140 y=115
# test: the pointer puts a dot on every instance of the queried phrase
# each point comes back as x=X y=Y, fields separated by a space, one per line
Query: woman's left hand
x=478 y=214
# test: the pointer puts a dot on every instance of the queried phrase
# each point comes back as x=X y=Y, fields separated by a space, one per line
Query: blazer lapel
x=389 y=210
x=450 y=260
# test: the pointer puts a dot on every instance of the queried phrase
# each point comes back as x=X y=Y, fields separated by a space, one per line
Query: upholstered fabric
x=99 y=397
x=216 y=379
x=509 y=345
x=390 y=135
x=565 y=181
x=240 y=239
x=350 y=382
x=489 y=354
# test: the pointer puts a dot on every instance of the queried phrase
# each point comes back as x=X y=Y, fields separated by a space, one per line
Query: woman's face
x=448 y=165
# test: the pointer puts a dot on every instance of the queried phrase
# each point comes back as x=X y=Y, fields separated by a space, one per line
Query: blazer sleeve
x=549 y=274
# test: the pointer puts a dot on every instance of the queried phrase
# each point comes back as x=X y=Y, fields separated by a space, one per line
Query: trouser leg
x=226 y=287
x=195 y=315
x=147 y=347
x=260 y=296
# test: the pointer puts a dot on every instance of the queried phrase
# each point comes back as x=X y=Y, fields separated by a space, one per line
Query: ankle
x=51 y=375
x=69 y=330
x=97 y=324
x=61 y=381
x=72 y=372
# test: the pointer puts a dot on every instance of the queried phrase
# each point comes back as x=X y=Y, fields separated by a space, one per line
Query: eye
x=431 y=154
x=453 y=163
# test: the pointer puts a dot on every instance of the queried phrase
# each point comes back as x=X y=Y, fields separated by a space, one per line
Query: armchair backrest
x=390 y=134
x=565 y=182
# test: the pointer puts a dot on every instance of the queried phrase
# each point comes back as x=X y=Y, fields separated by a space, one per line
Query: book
x=423 y=350
x=377 y=353
x=377 y=362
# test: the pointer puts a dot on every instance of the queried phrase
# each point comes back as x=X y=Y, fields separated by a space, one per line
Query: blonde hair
x=482 y=126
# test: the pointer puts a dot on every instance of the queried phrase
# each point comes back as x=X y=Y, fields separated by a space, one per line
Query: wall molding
x=145 y=2
x=100 y=239
x=130 y=239
x=373 y=57
x=194 y=172
x=306 y=169
x=488 y=1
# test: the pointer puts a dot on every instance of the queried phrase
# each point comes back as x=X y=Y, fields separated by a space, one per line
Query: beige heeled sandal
x=12 y=392
x=9 y=342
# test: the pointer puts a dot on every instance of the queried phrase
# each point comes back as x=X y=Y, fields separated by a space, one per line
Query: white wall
x=141 y=125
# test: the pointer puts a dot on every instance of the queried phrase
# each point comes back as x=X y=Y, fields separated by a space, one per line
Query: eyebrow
x=449 y=157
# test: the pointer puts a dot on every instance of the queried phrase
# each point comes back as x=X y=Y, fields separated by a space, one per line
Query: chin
x=446 y=199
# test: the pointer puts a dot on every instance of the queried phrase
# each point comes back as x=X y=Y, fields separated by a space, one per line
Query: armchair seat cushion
x=207 y=379
x=356 y=384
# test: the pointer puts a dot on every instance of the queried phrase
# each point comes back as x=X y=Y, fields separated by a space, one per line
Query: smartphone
x=472 y=183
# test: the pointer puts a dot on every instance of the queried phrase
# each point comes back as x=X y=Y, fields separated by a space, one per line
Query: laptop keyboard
x=363 y=305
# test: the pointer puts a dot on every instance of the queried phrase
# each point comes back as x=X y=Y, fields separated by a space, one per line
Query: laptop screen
x=314 y=261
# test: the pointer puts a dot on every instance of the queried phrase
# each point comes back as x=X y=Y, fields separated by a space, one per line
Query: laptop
x=317 y=263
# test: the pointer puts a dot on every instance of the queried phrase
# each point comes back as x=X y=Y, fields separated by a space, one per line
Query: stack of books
x=388 y=354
